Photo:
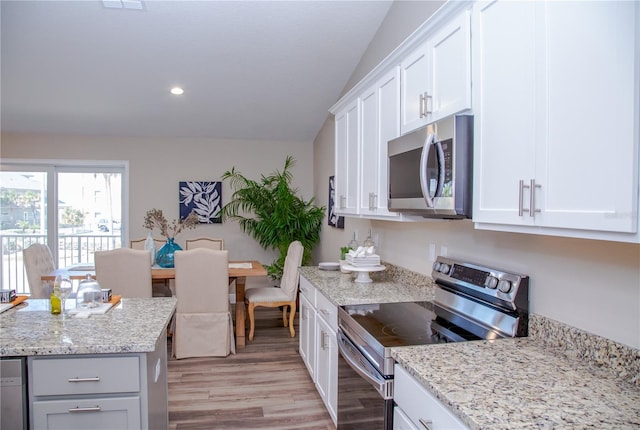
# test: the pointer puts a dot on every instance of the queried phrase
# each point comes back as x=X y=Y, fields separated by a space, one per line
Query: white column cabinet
x=347 y=141
x=556 y=116
x=318 y=343
x=380 y=122
x=436 y=77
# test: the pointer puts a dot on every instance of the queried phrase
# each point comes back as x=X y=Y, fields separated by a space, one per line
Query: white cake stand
x=363 y=272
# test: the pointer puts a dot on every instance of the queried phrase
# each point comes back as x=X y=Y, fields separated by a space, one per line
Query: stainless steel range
x=471 y=302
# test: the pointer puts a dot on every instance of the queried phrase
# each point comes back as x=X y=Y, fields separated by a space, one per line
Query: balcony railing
x=78 y=248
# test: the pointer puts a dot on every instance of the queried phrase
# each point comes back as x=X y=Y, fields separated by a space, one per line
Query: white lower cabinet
x=418 y=409
x=101 y=391
x=319 y=345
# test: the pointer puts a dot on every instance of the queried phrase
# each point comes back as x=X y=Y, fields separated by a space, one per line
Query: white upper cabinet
x=380 y=119
x=436 y=77
x=556 y=117
x=347 y=141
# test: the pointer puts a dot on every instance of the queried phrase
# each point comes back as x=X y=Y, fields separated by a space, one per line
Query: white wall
x=592 y=285
x=157 y=165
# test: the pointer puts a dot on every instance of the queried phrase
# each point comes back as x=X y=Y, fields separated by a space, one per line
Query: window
x=76 y=208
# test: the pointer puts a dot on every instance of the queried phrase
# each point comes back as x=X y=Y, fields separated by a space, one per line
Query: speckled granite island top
x=133 y=325
x=521 y=384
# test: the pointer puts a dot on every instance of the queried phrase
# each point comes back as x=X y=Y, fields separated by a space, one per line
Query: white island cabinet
x=318 y=343
x=556 y=117
x=99 y=391
x=417 y=409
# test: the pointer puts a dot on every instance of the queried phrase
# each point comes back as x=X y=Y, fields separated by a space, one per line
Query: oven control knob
x=444 y=268
x=491 y=282
x=436 y=266
x=504 y=286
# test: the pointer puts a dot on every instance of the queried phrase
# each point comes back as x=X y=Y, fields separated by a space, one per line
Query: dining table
x=239 y=271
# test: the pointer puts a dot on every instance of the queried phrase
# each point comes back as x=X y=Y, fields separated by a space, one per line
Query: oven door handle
x=362 y=367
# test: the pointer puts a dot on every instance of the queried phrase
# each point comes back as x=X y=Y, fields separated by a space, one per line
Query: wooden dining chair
x=203 y=324
x=125 y=271
x=205 y=242
x=139 y=243
x=38 y=261
x=284 y=296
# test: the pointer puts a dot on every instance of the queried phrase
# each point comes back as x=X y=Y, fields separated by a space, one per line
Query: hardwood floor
x=264 y=386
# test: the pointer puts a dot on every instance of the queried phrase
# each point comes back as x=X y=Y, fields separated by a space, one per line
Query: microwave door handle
x=441 y=168
x=424 y=162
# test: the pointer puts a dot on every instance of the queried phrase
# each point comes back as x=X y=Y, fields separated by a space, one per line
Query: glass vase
x=164 y=257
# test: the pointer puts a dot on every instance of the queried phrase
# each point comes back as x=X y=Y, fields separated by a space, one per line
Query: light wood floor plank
x=263 y=386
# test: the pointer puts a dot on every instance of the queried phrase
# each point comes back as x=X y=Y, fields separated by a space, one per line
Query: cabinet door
x=327 y=366
x=587 y=168
x=307 y=335
x=346 y=162
x=415 y=87
x=370 y=153
x=99 y=414
x=450 y=59
x=504 y=100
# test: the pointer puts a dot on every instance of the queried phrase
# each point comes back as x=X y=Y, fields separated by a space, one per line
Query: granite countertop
x=386 y=287
x=520 y=383
x=132 y=326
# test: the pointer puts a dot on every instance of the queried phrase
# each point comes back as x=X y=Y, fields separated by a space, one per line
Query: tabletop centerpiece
x=154 y=218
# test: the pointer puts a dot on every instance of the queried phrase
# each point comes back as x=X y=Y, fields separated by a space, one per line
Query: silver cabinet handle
x=425 y=98
x=426 y=423
x=324 y=312
x=93 y=409
x=521 y=187
x=532 y=198
x=94 y=379
x=322 y=343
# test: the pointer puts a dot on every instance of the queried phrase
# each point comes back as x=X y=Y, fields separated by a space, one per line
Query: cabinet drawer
x=327 y=311
x=63 y=376
x=95 y=414
x=419 y=404
x=308 y=290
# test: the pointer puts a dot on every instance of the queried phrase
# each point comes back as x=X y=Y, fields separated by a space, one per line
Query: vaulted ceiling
x=265 y=70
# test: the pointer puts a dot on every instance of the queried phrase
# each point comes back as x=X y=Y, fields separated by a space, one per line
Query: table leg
x=240 y=312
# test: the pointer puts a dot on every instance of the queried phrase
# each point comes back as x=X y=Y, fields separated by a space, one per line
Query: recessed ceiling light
x=176 y=91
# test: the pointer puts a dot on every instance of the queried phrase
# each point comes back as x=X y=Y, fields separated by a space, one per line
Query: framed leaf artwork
x=333 y=219
x=203 y=198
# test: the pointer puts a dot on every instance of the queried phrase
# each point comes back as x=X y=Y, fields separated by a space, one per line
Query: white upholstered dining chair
x=126 y=271
x=203 y=324
x=159 y=287
x=38 y=261
x=284 y=296
x=205 y=242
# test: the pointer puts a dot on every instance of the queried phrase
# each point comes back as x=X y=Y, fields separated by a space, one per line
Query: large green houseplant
x=272 y=213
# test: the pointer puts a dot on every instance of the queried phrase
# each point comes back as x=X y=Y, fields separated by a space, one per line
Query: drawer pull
x=426 y=423
x=94 y=379
x=78 y=409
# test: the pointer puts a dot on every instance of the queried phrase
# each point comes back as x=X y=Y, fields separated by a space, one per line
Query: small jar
x=89 y=294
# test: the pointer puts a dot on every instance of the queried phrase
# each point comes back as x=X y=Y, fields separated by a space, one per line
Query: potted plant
x=271 y=211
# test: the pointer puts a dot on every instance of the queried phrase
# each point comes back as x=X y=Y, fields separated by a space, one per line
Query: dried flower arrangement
x=154 y=218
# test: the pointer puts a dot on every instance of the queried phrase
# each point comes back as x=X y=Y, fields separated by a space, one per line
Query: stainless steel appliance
x=13 y=394
x=471 y=302
x=430 y=169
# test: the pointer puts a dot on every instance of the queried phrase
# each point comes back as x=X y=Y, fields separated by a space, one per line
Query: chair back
x=290 y=274
x=202 y=278
x=126 y=271
x=139 y=243
x=205 y=242
x=38 y=261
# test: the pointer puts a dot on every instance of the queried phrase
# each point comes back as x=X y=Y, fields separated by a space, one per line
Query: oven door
x=365 y=397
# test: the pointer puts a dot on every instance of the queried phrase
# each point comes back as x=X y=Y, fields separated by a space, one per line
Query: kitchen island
x=557 y=378
x=105 y=371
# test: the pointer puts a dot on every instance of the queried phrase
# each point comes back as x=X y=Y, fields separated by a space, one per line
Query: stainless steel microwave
x=430 y=169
